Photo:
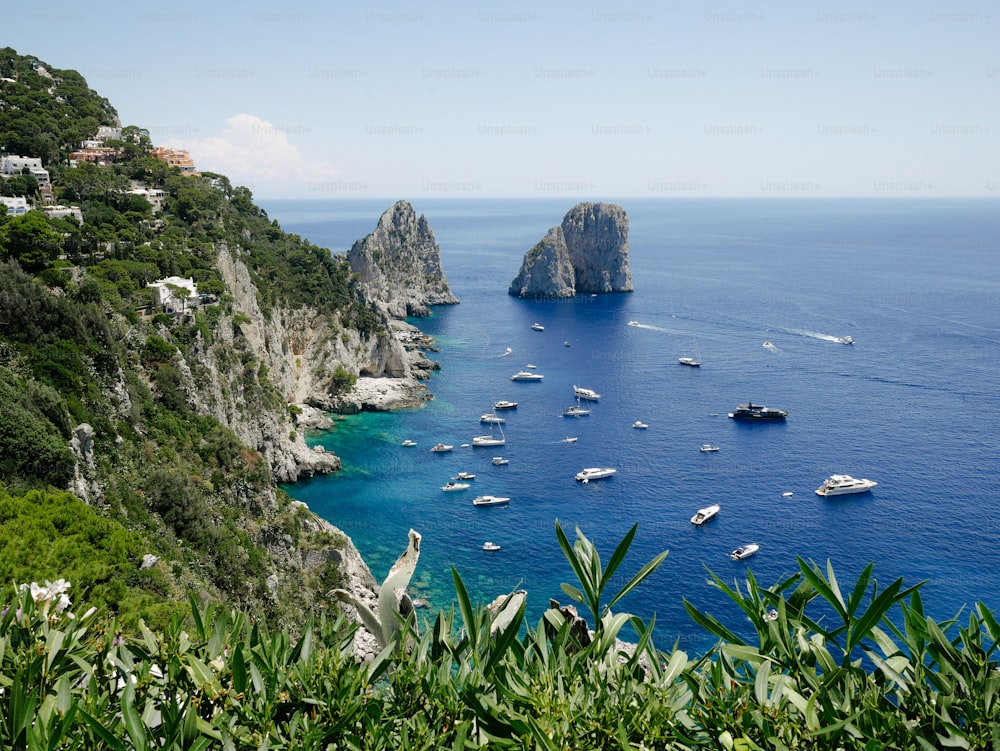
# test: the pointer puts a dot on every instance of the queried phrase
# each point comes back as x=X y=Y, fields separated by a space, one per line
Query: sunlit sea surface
x=913 y=404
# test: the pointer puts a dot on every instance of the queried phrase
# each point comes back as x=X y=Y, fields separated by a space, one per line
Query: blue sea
x=913 y=404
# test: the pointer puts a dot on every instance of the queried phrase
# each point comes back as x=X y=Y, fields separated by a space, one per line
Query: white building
x=155 y=196
x=16 y=205
x=15 y=165
x=165 y=294
x=58 y=211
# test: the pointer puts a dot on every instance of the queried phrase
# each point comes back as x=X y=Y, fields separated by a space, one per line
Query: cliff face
x=547 y=270
x=587 y=253
x=399 y=264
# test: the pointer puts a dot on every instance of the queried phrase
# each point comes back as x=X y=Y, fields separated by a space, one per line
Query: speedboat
x=751 y=411
x=450 y=486
x=767 y=344
x=408 y=443
x=744 y=551
x=490 y=546
x=500 y=461
x=844 y=485
x=639 y=425
x=567 y=344
x=569 y=439
x=529 y=366
x=708 y=447
x=633 y=323
x=504 y=404
x=846 y=340
x=489 y=500
x=526 y=375
x=575 y=410
x=537 y=327
x=491 y=417
x=464 y=476
x=787 y=494
x=581 y=393
x=442 y=447
x=691 y=361
x=594 y=473
x=704 y=514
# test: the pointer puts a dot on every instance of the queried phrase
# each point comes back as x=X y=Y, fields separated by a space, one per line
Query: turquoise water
x=912 y=405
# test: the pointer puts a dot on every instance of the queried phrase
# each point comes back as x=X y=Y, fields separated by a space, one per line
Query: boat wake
x=816 y=335
x=649 y=327
x=506 y=352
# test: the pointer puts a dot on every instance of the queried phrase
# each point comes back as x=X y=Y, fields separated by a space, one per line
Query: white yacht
x=846 y=340
x=489 y=440
x=844 y=485
x=569 y=439
x=452 y=486
x=639 y=425
x=489 y=500
x=504 y=404
x=744 y=551
x=408 y=442
x=490 y=546
x=704 y=514
x=537 y=327
x=440 y=448
x=526 y=375
x=594 y=473
x=464 y=476
x=575 y=410
x=500 y=461
x=708 y=447
x=589 y=394
x=492 y=418
x=690 y=361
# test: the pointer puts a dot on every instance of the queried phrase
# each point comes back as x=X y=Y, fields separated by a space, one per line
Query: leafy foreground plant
x=480 y=677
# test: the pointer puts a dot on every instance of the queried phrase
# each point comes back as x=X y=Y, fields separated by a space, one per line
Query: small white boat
x=707 y=447
x=490 y=546
x=440 y=448
x=639 y=425
x=594 y=473
x=767 y=344
x=491 y=417
x=504 y=404
x=464 y=476
x=704 y=514
x=408 y=443
x=633 y=323
x=575 y=410
x=567 y=439
x=490 y=500
x=537 y=327
x=488 y=440
x=500 y=461
x=589 y=394
x=846 y=340
x=695 y=361
x=844 y=485
x=529 y=366
x=787 y=494
x=526 y=375
x=567 y=344
x=744 y=551
x=452 y=486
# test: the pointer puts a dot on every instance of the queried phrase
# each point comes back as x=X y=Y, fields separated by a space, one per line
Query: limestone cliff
x=300 y=353
x=547 y=270
x=399 y=264
x=587 y=253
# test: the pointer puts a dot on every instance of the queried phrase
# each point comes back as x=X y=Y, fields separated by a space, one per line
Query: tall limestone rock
x=399 y=264
x=547 y=270
x=586 y=254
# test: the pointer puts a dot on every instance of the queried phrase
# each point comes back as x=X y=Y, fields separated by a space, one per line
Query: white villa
x=167 y=294
x=16 y=205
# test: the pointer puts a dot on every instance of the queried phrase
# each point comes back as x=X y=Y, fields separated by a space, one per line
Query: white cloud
x=255 y=153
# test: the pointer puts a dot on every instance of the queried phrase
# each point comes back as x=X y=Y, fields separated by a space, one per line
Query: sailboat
x=491 y=440
x=695 y=361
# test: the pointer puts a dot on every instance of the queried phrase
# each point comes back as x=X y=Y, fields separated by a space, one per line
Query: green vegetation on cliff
x=82 y=345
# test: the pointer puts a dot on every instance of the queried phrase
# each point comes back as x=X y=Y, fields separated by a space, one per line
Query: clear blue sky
x=640 y=98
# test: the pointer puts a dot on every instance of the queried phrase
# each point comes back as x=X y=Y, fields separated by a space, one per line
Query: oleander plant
x=825 y=667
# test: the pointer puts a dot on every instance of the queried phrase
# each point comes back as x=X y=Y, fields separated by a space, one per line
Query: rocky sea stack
x=587 y=253
x=399 y=264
